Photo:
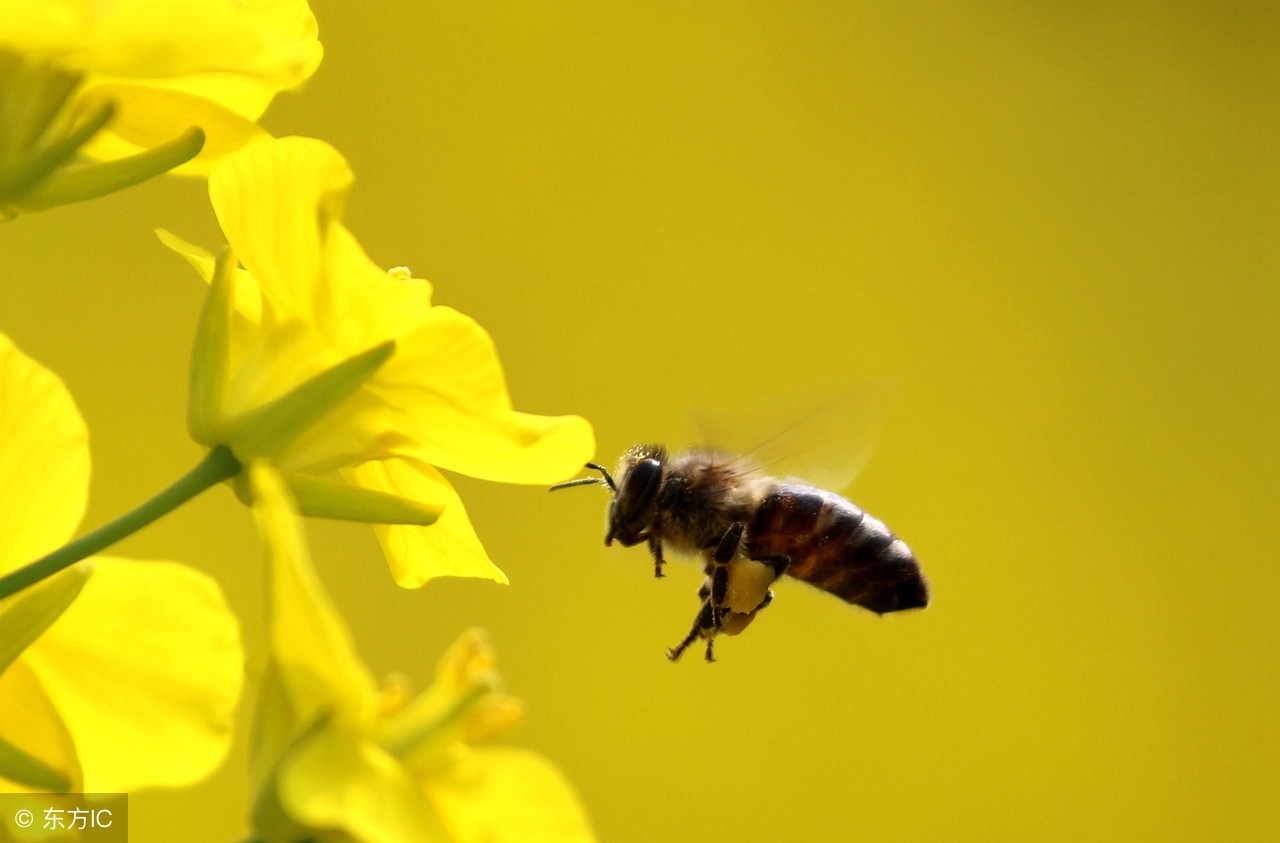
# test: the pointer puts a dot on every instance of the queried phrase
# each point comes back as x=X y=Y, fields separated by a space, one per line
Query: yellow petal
x=448 y=548
x=248 y=301
x=502 y=794
x=311 y=646
x=147 y=657
x=273 y=199
x=338 y=780
x=279 y=202
x=366 y=305
x=147 y=116
x=44 y=460
x=52 y=29
x=270 y=41
x=446 y=381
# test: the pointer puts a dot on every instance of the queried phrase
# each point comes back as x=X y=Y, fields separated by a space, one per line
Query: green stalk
x=218 y=465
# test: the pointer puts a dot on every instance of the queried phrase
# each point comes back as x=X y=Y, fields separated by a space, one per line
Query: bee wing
x=823 y=436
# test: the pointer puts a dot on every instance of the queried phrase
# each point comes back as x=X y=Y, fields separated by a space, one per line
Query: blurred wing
x=823 y=436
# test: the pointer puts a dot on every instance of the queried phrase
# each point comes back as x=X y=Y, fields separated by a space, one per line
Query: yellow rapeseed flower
x=144 y=84
x=418 y=385
x=168 y=65
x=114 y=674
x=335 y=757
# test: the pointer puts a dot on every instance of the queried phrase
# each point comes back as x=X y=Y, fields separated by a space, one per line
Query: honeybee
x=751 y=529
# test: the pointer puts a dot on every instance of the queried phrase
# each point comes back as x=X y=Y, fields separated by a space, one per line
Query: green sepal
x=25 y=616
x=267 y=430
x=35 y=165
x=268 y=817
x=319 y=497
x=211 y=355
x=23 y=619
x=21 y=768
x=89 y=181
x=271 y=737
x=32 y=95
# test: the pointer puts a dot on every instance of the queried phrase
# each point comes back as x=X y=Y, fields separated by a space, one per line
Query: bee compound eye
x=635 y=499
x=642 y=482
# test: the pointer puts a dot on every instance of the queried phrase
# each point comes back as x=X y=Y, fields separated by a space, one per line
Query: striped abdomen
x=837 y=547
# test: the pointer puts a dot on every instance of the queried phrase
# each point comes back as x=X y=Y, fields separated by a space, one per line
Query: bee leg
x=728 y=546
x=702 y=625
x=719 y=580
x=655 y=547
x=719 y=564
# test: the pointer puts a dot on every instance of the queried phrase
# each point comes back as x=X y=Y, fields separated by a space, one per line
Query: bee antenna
x=606 y=480
x=582 y=481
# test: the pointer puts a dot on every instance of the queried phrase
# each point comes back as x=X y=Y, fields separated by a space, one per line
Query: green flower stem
x=218 y=465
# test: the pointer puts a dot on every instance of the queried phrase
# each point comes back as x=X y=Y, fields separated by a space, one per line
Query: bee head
x=632 y=507
x=634 y=495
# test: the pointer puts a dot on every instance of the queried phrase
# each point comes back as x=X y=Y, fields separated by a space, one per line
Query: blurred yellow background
x=1055 y=227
